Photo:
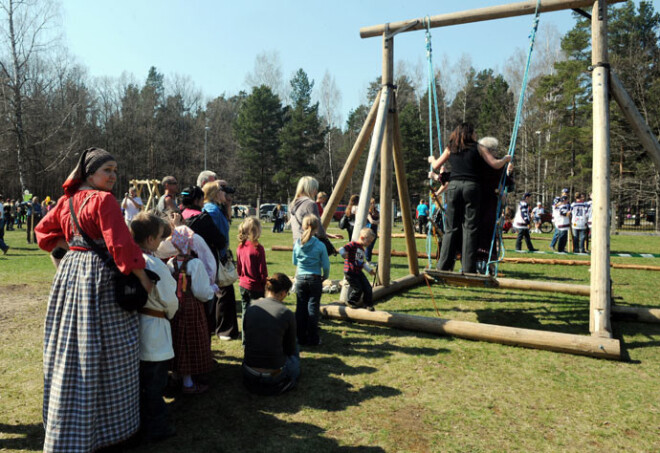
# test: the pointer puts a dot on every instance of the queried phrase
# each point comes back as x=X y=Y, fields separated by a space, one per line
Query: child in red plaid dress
x=192 y=348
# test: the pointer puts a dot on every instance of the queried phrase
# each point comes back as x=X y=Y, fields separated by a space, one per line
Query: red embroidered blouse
x=101 y=217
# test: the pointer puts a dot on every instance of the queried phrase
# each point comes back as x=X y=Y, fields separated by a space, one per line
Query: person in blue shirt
x=423 y=216
x=224 y=309
x=312 y=267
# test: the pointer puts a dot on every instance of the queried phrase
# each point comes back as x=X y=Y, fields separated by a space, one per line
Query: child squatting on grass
x=354 y=261
x=250 y=263
x=312 y=266
x=156 y=350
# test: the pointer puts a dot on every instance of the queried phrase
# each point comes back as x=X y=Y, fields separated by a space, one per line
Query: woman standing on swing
x=463 y=195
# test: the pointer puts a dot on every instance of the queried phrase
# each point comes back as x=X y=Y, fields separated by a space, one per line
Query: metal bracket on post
x=582 y=13
x=601 y=9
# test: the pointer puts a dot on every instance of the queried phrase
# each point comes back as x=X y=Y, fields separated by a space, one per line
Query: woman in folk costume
x=190 y=338
x=91 y=345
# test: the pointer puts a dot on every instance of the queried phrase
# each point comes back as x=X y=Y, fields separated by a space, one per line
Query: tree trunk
x=21 y=142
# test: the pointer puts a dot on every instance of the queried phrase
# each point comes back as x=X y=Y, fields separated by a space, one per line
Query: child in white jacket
x=155 y=333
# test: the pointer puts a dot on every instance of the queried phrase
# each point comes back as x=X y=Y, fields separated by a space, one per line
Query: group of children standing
x=174 y=334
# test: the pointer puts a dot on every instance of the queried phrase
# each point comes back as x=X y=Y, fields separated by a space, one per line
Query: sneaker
x=4 y=252
x=225 y=337
x=195 y=389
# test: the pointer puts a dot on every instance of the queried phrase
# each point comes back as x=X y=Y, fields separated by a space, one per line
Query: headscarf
x=182 y=239
x=90 y=160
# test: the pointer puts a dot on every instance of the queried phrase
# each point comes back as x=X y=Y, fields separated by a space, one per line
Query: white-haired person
x=463 y=195
x=489 y=199
x=304 y=204
x=206 y=176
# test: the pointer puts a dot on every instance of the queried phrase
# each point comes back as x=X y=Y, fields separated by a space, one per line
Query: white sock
x=187 y=381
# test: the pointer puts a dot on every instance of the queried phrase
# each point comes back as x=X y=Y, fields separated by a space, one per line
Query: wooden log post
x=599 y=309
x=397 y=285
x=351 y=164
x=372 y=162
x=635 y=119
x=385 y=226
x=606 y=348
x=477 y=15
x=404 y=198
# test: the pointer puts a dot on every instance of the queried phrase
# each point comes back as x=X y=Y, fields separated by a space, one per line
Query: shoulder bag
x=227 y=273
x=129 y=292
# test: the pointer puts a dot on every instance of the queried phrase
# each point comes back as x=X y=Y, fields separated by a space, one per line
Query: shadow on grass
x=228 y=418
x=22 y=437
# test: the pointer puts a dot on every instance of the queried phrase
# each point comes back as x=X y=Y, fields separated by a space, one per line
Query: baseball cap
x=565 y=190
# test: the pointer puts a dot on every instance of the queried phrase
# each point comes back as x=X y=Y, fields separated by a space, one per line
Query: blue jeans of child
x=308 y=308
x=579 y=240
x=359 y=286
x=555 y=238
x=153 y=380
x=273 y=384
x=562 y=239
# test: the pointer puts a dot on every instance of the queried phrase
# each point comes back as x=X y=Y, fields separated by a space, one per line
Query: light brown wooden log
x=635 y=119
x=639 y=267
x=397 y=285
x=599 y=305
x=404 y=197
x=351 y=164
x=385 y=227
x=551 y=287
x=605 y=348
x=403 y=235
x=636 y=314
x=477 y=15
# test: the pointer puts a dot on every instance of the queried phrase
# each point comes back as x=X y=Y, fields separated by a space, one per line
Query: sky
x=215 y=42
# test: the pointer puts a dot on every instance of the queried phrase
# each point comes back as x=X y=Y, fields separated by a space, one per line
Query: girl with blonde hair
x=312 y=267
x=250 y=263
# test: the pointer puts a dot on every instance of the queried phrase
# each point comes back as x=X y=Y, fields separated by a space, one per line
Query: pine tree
x=302 y=136
x=257 y=130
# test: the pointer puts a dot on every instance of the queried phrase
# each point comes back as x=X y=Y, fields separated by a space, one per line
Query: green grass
x=378 y=389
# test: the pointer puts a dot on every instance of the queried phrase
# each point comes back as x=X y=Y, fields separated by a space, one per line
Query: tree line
x=263 y=139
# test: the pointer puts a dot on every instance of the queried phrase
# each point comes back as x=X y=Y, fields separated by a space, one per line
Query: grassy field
x=378 y=389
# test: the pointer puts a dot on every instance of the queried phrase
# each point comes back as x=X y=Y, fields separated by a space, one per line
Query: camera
x=228 y=189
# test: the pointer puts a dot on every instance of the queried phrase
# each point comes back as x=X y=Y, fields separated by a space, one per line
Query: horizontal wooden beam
x=476 y=15
x=397 y=285
x=638 y=267
x=550 y=287
x=606 y=348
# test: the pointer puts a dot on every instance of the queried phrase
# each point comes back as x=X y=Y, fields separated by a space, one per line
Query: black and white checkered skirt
x=91 y=360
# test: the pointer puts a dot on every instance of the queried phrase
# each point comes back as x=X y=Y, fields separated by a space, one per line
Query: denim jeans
x=269 y=384
x=153 y=380
x=579 y=240
x=555 y=238
x=308 y=308
x=562 y=239
x=3 y=246
x=359 y=286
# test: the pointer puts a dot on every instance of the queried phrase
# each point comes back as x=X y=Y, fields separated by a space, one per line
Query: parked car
x=266 y=211
x=650 y=215
x=339 y=213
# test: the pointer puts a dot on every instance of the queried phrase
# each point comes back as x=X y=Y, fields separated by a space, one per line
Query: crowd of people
x=180 y=253
x=182 y=256
x=14 y=214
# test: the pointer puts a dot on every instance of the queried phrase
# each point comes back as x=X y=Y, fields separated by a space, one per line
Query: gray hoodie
x=299 y=208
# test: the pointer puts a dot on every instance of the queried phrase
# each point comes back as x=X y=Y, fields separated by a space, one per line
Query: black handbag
x=129 y=292
x=344 y=222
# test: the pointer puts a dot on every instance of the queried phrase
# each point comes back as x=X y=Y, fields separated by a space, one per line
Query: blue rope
x=512 y=149
x=433 y=98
